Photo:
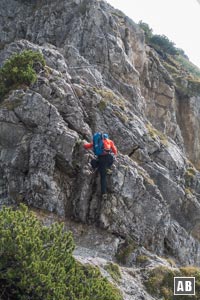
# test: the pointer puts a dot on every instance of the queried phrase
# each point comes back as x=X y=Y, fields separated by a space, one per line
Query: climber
x=102 y=147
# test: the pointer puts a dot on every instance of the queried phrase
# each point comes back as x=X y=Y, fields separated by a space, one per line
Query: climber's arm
x=113 y=148
x=88 y=146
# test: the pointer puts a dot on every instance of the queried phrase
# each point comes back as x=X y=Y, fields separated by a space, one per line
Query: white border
x=184 y=294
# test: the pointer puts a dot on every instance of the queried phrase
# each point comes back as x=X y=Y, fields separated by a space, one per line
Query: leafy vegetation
x=19 y=70
x=156 y=134
x=147 y=31
x=36 y=262
x=189 y=177
x=114 y=271
x=142 y=259
x=160 y=282
x=125 y=250
x=102 y=105
x=175 y=60
x=187 y=65
x=107 y=96
x=161 y=43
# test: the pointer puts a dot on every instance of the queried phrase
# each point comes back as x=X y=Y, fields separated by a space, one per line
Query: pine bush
x=36 y=262
x=162 y=43
x=19 y=69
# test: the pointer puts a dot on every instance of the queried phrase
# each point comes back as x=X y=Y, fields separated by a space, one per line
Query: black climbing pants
x=103 y=163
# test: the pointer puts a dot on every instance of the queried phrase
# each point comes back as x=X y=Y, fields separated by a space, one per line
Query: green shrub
x=18 y=70
x=102 y=105
x=142 y=259
x=164 y=46
x=86 y=283
x=174 y=71
x=36 y=262
x=160 y=282
x=188 y=66
x=125 y=250
x=155 y=134
x=161 y=42
x=121 y=116
x=148 y=32
x=171 y=261
x=107 y=97
x=192 y=271
x=114 y=271
x=189 y=176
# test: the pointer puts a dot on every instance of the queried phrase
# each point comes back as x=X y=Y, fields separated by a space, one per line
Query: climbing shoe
x=104 y=197
x=108 y=171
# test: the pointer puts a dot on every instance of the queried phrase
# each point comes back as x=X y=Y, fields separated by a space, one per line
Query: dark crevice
x=167 y=248
x=96 y=213
x=133 y=151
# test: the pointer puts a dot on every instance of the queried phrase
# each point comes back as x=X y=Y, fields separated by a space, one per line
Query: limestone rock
x=100 y=76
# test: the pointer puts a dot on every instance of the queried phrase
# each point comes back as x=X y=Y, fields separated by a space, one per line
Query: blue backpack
x=98 y=146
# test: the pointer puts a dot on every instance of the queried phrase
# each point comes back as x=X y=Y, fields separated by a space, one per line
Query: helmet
x=105 y=136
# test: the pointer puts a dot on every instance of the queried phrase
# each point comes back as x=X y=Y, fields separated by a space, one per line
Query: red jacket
x=108 y=145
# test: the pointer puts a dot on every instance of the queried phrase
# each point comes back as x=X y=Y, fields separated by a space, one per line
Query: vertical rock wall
x=99 y=77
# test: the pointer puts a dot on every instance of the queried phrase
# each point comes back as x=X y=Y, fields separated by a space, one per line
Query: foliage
x=121 y=116
x=191 y=171
x=160 y=281
x=147 y=30
x=181 y=53
x=189 y=176
x=19 y=69
x=163 y=44
x=191 y=271
x=156 y=134
x=171 y=261
x=88 y=284
x=174 y=59
x=102 y=105
x=34 y=259
x=173 y=70
x=125 y=250
x=187 y=87
x=189 y=66
x=142 y=259
x=185 y=74
x=107 y=96
x=114 y=271
x=36 y=262
x=160 y=43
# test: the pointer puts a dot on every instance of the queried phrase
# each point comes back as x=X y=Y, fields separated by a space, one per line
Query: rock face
x=188 y=107
x=159 y=92
x=100 y=76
